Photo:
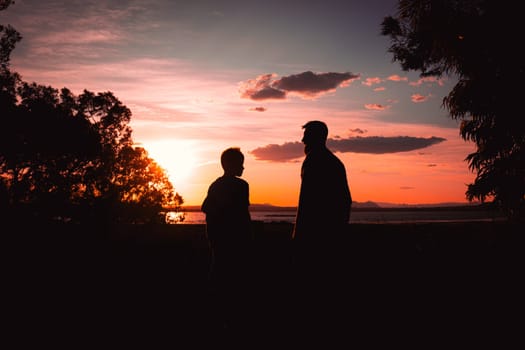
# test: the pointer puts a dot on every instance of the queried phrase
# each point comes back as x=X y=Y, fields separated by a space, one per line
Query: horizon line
x=365 y=204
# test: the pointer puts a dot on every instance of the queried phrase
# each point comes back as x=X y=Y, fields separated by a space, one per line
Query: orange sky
x=201 y=76
x=434 y=174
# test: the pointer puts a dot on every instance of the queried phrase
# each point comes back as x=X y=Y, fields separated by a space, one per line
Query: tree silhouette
x=473 y=41
x=72 y=157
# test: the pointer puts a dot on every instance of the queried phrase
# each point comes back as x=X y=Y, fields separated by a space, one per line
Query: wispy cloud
x=307 y=85
x=371 y=81
x=94 y=30
x=428 y=80
x=396 y=77
x=418 y=98
x=358 y=131
x=291 y=151
x=258 y=109
x=375 y=107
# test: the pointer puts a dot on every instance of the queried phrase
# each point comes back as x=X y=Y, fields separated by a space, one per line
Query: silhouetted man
x=323 y=214
x=324 y=199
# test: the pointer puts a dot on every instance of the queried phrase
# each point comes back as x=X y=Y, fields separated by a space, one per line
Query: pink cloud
x=417 y=98
x=428 y=80
x=371 y=81
x=375 y=107
x=396 y=77
x=76 y=37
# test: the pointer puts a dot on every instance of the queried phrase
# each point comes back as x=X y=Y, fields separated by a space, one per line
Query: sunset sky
x=203 y=75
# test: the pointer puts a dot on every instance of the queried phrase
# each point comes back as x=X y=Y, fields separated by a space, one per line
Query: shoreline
x=366 y=215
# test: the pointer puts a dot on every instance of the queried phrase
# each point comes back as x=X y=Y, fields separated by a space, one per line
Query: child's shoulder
x=241 y=180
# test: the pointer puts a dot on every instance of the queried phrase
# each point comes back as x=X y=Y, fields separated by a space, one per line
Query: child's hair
x=231 y=158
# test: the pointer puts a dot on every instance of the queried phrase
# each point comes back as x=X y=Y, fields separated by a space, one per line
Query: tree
x=8 y=81
x=473 y=41
x=72 y=157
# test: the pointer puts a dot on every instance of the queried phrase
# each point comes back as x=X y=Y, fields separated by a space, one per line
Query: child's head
x=232 y=161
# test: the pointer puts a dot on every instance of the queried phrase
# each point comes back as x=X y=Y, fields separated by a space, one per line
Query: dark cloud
x=287 y=152
x=359 y=131
x=291 y=151
x=307 y=85
x=406 y=188
x=381 y=145
x=311 y=84
x=260 y=88
x=266 y=93
x=258 y=109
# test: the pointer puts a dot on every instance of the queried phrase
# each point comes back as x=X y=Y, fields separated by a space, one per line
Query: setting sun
x=175 y=156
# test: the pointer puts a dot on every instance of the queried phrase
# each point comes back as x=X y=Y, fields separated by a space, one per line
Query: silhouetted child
x=229 y=234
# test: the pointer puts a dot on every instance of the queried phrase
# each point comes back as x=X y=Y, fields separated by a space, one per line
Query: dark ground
x=147 y=286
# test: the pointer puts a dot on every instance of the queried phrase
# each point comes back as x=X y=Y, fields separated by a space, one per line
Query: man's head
x=315 y=134
x=232 y=161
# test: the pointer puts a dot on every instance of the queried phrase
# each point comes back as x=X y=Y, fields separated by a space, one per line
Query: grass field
x=143 y=284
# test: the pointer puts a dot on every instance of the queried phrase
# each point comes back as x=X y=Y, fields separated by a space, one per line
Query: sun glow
x=176 y=157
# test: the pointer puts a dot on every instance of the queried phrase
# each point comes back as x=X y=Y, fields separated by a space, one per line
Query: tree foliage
x=476 y=42
x=72 y=157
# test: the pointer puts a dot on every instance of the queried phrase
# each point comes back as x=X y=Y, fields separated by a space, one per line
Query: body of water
x=381 y=216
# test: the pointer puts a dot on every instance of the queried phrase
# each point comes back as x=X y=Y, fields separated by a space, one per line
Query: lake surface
x=380 y=216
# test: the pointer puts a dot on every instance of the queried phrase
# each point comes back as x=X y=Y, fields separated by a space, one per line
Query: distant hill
x=423 y=205
x=358 y=205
